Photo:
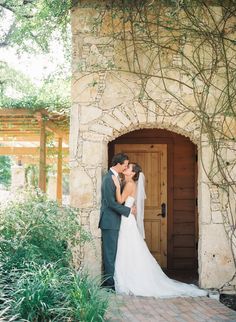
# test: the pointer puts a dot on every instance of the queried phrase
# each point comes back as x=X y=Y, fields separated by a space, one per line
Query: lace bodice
x=129 y=201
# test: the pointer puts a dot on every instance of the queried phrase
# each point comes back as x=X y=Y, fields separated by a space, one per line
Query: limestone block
x=81 y=188
x=161 y=120
x=172 y=81
x=118 y=89
x=110 y=24
x=216 y=261
x=120 y=57
x=189 y=101
x=204 y=203
x=232 y=199
x=94 y=40
x=141 y=112
x=84 y=128
x=217 y=13
x=91 y=136
x=186 y=85
x=92 y=257
x=156 y=90
x=86 y=88
x=217 y=217
x=91 y=153
x=151 y=113
x=102 y=129
x=74 y=128
x=89 y=114
x=205 y=157
x=192 y=126
x=83 y=19
x=84 y=220
x=96 y=60
x=73 y=163
x=129 y=110
x=185 y=119
x=121 y=117
x=112 y=122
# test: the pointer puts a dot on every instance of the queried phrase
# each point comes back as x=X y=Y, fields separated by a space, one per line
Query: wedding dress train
x=136 y=270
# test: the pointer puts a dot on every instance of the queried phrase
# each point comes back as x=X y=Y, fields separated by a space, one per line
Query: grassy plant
x=51 y=293
x=35 y=293
x=86 y=300
x=37 y=280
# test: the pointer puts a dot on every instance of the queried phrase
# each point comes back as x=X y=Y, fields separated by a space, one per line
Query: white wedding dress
x=136 y=270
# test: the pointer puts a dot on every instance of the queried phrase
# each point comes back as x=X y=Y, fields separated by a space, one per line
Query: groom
x=110 y=217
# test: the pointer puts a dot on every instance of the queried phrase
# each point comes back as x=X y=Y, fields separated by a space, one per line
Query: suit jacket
x=111 y=210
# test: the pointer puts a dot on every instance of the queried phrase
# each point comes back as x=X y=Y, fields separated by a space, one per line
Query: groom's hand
x=134 y=210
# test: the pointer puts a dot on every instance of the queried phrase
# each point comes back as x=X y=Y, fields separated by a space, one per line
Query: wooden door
x=153 y=160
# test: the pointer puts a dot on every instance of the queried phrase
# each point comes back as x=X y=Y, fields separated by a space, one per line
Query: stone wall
x=107 y=104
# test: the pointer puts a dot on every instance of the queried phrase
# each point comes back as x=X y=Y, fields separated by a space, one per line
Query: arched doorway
x=169 y=161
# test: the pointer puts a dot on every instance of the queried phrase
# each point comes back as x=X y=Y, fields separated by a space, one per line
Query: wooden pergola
x=24 y=134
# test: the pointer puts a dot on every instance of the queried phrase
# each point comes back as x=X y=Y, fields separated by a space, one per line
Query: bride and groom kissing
x=129 y=267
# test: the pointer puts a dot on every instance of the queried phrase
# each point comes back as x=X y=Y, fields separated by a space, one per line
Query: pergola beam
x=20 y=111
x=21 y=122
x=35 y=160
x=55 y=129
x=20 y=138
x=5 y=150
x=18 y=132
x=22 y=125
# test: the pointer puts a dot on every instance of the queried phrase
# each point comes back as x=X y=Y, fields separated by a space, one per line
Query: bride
x=136 y=270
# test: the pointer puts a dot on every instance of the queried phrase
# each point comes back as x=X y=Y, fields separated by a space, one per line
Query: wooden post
x=59 y=171
x=42 y=156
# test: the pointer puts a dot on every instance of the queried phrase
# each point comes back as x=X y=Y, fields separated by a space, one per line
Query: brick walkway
x=143 y=309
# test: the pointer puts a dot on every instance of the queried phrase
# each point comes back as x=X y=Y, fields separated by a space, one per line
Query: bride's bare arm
x=128 y=190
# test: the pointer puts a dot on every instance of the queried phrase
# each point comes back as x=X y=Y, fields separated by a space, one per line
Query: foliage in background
x=34 y=27
x=33 y=23
x=18 y=91
x=5 y=170
x=37 y=280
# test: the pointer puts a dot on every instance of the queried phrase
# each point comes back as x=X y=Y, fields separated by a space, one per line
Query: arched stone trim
x=166 y=125
x=121 y=120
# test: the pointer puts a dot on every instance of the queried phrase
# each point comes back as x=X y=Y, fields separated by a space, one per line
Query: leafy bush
x=37 y=280
x=39 y=230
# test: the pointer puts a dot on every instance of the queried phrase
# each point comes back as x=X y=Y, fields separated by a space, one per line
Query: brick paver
x=145 y=309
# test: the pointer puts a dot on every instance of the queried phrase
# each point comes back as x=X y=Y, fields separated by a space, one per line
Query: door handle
x=163 y=210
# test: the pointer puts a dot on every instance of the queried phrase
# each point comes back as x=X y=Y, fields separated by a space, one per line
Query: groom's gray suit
x=110 y=218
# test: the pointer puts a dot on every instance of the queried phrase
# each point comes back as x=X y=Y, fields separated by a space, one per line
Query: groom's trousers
x=109 y=249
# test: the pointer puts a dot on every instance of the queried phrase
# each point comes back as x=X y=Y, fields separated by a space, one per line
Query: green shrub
x=39 y=230
x=37 y=280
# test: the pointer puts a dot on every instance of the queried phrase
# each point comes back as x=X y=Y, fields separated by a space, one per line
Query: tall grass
x=37 y=280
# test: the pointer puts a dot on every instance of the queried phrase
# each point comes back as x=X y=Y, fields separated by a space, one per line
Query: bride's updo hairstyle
x=137 y=169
